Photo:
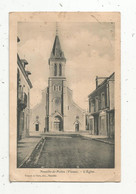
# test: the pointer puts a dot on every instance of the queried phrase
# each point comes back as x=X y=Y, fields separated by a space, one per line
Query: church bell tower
x=56 y=88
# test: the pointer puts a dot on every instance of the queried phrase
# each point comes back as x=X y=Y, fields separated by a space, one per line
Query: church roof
x=56 y=50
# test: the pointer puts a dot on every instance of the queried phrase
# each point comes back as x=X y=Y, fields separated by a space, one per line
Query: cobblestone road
x=75 y=152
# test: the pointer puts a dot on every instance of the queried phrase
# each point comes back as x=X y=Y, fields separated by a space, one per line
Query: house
x=101 y=117
x=23 y=98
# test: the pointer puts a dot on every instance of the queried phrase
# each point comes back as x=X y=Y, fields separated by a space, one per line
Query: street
x=72 y=151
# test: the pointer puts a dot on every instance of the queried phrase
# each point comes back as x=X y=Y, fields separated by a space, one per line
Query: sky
x=88 y=48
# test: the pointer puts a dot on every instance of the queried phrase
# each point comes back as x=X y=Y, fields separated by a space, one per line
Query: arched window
x=37 y=127
x=37 y=118
x=55 y=70
x=77 y=117
x=54 y=87
x=59 y=88
x=60 y=70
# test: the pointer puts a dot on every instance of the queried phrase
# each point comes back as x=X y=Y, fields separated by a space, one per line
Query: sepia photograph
x=65 y=96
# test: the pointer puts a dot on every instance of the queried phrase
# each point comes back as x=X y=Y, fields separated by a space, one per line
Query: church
x=57 y=112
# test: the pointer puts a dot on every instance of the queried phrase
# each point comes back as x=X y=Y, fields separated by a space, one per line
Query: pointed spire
x=56 y=47
x=56 y=50
x=57 y=53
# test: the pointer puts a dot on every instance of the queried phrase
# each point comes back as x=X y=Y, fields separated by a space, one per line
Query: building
x=23 y=98
x=38 y=113
x=101 y=117
x=57 y=110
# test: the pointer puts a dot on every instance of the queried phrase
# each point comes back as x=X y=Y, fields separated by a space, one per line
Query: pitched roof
x=102 y=83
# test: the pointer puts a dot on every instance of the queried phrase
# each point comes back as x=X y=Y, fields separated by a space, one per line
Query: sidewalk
x=25 y=147
x=103 y=139
x=106 y=140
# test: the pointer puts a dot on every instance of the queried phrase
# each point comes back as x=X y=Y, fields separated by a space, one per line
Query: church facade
x=57 y=110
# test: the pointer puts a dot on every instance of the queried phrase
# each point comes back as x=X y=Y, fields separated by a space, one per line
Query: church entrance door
x=58 y=123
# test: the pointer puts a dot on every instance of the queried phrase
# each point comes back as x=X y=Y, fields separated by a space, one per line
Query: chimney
x=96 y=81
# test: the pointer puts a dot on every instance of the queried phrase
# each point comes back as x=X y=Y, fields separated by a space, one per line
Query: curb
x=28 y=155
x=103 y=141
x=98 y=140
x=39 y=154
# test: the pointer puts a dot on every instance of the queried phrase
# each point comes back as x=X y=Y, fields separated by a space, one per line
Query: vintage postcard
x=65 y=96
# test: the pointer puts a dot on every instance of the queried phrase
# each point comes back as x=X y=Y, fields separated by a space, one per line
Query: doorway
x=58 y=124
x=77 y=126
x=96 y=124
x=36 y=127
x=103 y=126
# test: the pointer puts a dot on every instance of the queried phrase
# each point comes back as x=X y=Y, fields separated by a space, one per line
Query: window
x=37 y=118
x=55 y=70
x=59 y=88
x=36 y=127
x=22 y=120
x=60 y=70
x=77 y=117
x=96 y=104
x=92 y=106
x=102 y=100
x=28 y=101
x=54 y=87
